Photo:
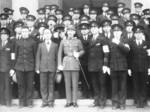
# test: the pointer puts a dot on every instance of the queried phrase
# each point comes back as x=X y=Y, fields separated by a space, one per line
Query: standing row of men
x=114 y=44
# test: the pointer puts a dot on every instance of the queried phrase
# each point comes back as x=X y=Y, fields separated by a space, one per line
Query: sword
x=83 y=73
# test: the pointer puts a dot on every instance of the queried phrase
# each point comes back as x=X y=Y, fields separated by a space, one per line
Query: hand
x=56 y=35
x=76 y=54
x=108 y=70
x=12 y=72
x=116 y=41
x=14 y=78
x=60 y=67
x=104 y=68
x=149 y=71
x=129 y=72
x=58 y=77
x=38 y=71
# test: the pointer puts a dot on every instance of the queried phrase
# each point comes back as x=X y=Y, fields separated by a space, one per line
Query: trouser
x=140 y=87
x=119 y=81
x=99 y=87
x=86 y=91
x=25 y=87
x=5 y=88
x=47 y=87
x=71 y=84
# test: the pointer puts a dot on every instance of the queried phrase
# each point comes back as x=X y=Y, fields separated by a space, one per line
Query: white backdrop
x=32 y=5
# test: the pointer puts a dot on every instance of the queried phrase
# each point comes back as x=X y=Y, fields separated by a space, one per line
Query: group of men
x=115 y=44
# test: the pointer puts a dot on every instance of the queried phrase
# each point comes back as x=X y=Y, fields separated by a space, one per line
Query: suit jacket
x=5 y=57
x=25 y=52
x=46 y=61
x=96 y=54
x=140 y=60
x=118 y=53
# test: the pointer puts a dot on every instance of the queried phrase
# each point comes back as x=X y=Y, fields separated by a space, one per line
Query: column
x=32 y=5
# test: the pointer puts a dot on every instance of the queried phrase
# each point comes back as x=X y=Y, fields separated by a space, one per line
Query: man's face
x=52 y=12
x=120 y=9
x=71 y=13
x=30 y=24
x=86 y=11
x=59 y=16
x=115 y=22
x=18 y=30
x=10 y=16
x=138 y=10
x=41 y=16
x=70 y=33
x=25 y=33
x=41 y=29
x=47 y=34
x=127 y=16
x=3 y=22
x=93 y=16
x=105 y=9
x=23 y=16
x=107 y=28
x=47 y=11
x=138 y=36
x=94 y=30
x=84 y=31
x=117 y=34
x=4 y=37
x=76 y=16
x=67 y=22
x=129 y=28
x=51 y=24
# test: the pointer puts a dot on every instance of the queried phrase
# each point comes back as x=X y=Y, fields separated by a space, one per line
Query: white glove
x=55 y=35
x=60 y=67
x=38 y=71
x=149 y=71
x=76 y=54
x=116 y=41
x=104 y=68
x=58 y=78
x=108 y=70
x=129 y=72
x=12 y=72
x=14 y=78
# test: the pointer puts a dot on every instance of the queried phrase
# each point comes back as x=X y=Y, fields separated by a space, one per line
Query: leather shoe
x=122 y=108
x=30 y=106
x=51 y=105
x=114 y=107
x=43 y=105
x=68 y=105
x=93 y=105
x=75 y=105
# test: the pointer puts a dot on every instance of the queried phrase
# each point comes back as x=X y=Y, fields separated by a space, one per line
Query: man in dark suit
x=85 y=27
x=6 y=67
x=118 y=66
x=25 y=52
x=97 y=64
x=140 y=49
x=46 y=65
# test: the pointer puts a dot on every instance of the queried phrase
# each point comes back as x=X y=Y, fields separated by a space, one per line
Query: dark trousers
x=5 y=88
x=99 y=87
x=119 y=81
x=85 y=90
x=140 y=87
x=47 y=87
x=71 y=84
x=25 y=87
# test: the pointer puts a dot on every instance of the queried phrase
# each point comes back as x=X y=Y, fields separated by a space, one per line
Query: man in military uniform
x=140 y=49
x=24 y=12
x=11 y=21
x=105 y=7
x=84 y=19
x=93 y=15
x=25 y=53
x=32 y=30
x=52 y=22
x=67 y=20
x=47 y=10
x=6 y=67
x=118 y=66
x=136 y=18
x=59 y=15
x=120 y=7
x=53 y=9
x=76 y=17
x=3 y=20
x=41 y=16
x=97 y=64
x=109 y=12
x=86 y=9
x=70 y=12
x=85 y=28
x=72 y=49
x=115 y=19
x=138 y=8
